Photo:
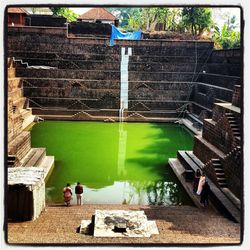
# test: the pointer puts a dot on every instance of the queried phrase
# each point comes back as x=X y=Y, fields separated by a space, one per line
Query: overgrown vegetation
x=194 y=20
x=227 y=37
x=65 y=12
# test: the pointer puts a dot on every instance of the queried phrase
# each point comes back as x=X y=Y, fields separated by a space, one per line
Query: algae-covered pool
x=116 y=162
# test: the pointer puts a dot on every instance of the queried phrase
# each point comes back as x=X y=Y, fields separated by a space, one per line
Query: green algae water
x=117 y=163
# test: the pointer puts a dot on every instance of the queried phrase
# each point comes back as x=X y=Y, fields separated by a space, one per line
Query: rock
x=85 y=226
x=123 y=223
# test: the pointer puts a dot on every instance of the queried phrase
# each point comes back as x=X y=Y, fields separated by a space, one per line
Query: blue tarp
x=117 y=34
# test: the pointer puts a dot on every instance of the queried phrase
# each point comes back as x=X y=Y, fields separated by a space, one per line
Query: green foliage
x=173 y=20
x=196 y=19
x=153 y=16
x=65 y=12
x=226 y=38
x=124 y=14
x=192 y=19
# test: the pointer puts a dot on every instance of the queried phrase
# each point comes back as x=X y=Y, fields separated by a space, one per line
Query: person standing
x=204 y=194
x=67 y=194
x=196 y=180
x=79 y=192
x=201 y=183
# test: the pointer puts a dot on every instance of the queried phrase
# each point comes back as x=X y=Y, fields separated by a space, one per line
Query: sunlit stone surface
x=122 y=223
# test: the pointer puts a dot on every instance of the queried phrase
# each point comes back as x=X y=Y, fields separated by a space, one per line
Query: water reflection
x=121 y=170
x=137 y=192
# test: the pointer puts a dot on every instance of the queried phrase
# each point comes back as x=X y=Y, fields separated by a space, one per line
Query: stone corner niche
x=119 y=223
x=26 y=193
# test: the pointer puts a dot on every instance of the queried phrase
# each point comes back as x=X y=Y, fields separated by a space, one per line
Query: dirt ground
x=177 y=225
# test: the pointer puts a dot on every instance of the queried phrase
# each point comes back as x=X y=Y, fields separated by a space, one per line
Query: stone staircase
x=233 y=121
x=11 y=161
x=185 y=163
x=20 y=117
x=160 y=74
x=220 y=174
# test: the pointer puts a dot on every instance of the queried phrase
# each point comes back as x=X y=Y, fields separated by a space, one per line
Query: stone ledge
x=122 y=223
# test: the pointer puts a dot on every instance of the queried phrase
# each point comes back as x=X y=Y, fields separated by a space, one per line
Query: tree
x=173 y=19
x=153 y=16
x=226 y=38
x=197 y=19
x=65 y=12
x=124 y=14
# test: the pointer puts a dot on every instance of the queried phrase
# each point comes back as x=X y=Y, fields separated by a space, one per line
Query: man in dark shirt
x=204 y=194
x=79 y=191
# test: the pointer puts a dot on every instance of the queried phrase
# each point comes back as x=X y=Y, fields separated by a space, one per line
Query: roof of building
x=17 y=11
x=39 y=11
x=97 y=13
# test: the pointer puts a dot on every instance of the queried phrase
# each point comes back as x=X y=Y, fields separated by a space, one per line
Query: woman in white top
x=201 y=183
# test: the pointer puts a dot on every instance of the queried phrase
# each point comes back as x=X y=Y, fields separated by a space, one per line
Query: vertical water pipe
x=124 y=81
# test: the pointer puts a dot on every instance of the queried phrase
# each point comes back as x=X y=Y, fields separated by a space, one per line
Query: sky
x=219 y=15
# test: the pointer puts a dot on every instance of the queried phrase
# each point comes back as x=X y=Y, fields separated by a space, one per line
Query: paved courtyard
x=176 y=225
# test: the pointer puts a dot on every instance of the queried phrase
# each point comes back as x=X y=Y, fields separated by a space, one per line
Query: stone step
x=218 y=171
x=106 y=57
x=28 y=120
x=221 y=179
x=11 y=160
x=185 y=160
x=14 y=126
x=223 y=185
x=236 y=131
x=232 y=197
x=231 y=118
x=215 y=160
x=222 y=203
x=10 y=62
x=234 y=125
x=16 y=94
x=75 y=64
x=217 y=164
x=47 y=163
x=14 y=83
x=146 y=47
x=19 y=103
x=20 y=145
x=11 y=73
x=34 y=157
x=26 y=113
x=73 y=74
x=171 y=210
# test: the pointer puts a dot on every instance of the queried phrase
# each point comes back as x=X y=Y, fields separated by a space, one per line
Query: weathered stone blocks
x=123 y=223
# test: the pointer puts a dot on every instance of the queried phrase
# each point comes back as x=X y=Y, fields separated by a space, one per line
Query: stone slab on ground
x=123 y=223
x=84 y=227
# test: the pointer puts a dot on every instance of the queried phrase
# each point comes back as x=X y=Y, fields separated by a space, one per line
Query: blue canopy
x=117 y=34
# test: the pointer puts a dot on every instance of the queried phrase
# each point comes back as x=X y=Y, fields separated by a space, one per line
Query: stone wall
x=237 y=100
x=163 y=75
x=86 y=73
x=219 y=134
x=45 y=21
x=221 y=142
x=232 y=166
x=225 y=62
x=90 y=29
x=203 y=151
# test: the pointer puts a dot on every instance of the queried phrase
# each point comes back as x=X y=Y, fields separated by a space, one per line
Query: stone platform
x=58 y=224
x=123 y=223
